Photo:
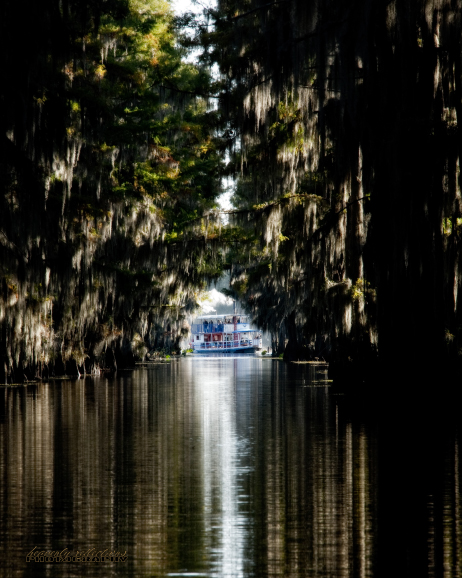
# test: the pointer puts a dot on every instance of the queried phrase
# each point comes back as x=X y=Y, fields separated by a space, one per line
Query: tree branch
x=184 y=91
x=234 y=18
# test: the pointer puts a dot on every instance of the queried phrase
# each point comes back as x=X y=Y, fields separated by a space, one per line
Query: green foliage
x=361 y=289
x=107 y=180
x=447 y=227
x=287 y=133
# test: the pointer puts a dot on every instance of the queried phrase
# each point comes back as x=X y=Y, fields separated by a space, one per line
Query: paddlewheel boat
x=223 y=333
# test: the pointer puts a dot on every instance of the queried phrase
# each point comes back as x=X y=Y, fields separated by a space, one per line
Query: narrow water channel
x=224 y=467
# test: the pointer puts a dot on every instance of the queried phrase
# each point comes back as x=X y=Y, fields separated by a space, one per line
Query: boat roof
x=228 y=332
x=222 y=316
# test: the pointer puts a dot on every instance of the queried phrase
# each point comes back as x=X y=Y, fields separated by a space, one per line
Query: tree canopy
x=109 y=153
x=346 y=151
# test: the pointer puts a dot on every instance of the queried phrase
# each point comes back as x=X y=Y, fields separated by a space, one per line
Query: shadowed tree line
x=105 y=155
x=347 y=156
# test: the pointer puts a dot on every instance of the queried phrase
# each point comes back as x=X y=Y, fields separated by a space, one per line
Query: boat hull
x=227 y=350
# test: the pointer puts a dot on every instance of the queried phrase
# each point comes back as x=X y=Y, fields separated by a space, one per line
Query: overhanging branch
x=234 y=18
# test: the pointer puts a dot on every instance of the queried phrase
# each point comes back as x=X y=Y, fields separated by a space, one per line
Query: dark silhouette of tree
x=347 y=154
x=106 y=156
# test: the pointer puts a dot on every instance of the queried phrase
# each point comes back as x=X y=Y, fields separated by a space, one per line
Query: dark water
x=225 y=467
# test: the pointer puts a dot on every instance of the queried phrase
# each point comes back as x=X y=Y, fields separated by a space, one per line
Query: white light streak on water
x=221 y=452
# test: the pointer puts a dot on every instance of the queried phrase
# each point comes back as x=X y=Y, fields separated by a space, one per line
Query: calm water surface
x=225 y=467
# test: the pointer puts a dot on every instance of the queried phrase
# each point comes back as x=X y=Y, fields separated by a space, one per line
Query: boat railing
x=219 y=328
x=225 y=344
x=202 y=328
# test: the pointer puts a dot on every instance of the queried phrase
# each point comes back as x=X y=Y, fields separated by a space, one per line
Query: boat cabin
x=225 y=333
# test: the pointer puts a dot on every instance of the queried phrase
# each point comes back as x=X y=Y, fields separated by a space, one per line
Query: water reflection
x=217 y=467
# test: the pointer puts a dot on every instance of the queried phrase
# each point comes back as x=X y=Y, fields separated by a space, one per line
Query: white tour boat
x=223 y=333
